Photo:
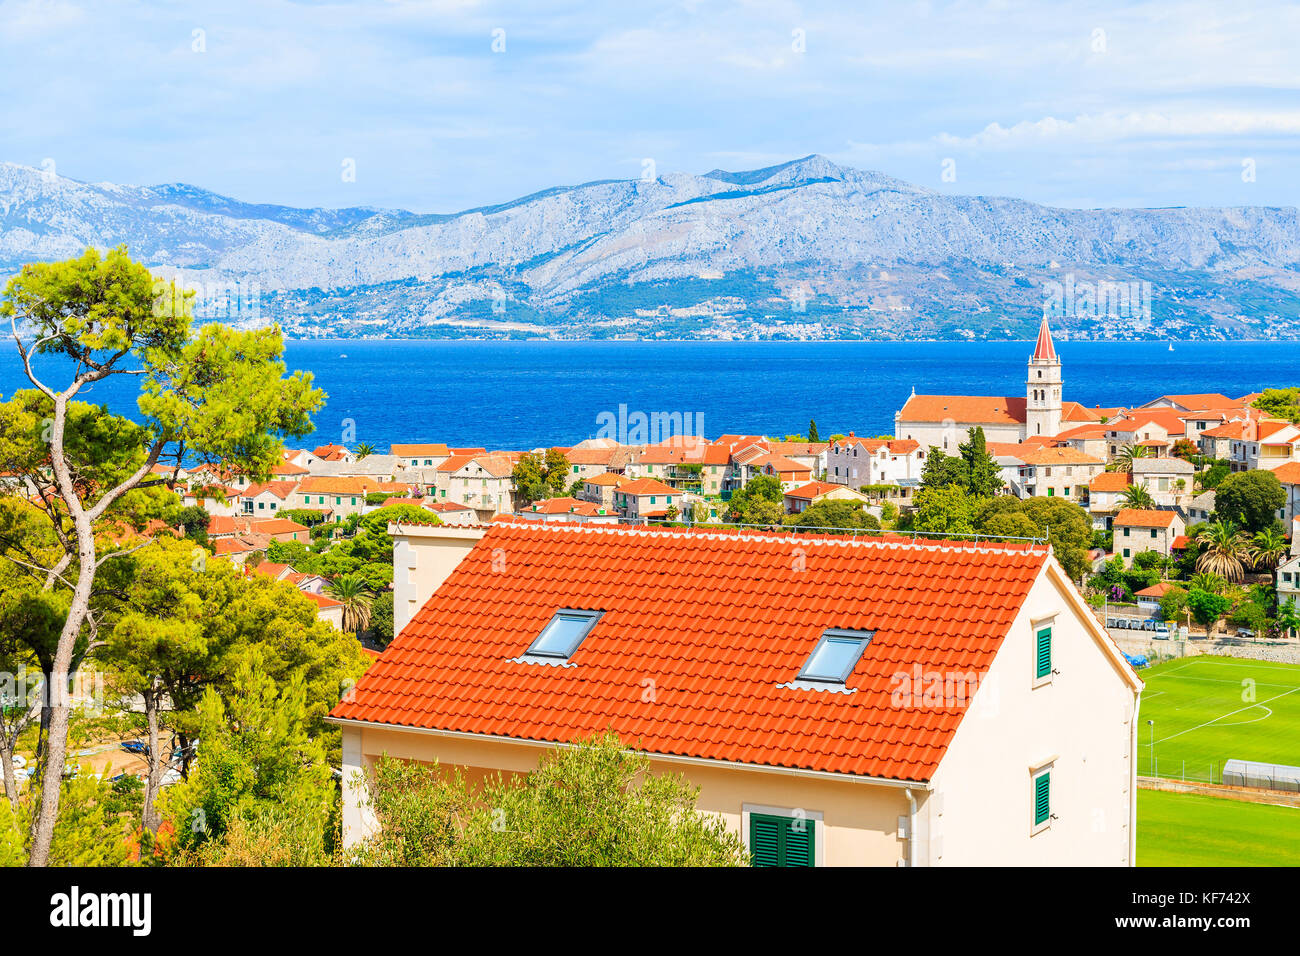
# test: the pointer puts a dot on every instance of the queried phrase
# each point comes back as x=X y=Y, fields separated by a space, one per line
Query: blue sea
x=529 y=394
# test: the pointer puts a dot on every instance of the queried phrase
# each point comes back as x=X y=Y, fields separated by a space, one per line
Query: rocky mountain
x=806 y=249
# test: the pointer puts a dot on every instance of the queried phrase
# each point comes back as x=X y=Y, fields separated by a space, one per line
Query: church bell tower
x=1043 y=390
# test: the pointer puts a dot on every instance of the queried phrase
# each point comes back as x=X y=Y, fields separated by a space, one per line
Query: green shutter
x=1044 y=653
x=782 y=841
x=764 y=840
x=1042 y=798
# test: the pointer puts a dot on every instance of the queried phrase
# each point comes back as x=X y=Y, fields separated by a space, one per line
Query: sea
x=521 y=395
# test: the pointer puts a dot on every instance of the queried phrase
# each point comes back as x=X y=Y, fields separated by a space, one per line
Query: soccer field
x=1180 y=829
x=1207 y=710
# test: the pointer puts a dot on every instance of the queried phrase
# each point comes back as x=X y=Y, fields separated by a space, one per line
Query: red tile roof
x=1143 y=518
x=1288 y=474
x=1110 y=481
x=419 y=450
x=722 y=622
x=1179 y=543
x=645 y=486
x=814 y=490
x=965 y=409
x=1158 y=590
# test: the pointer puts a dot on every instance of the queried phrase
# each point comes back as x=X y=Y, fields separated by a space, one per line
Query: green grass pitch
x=1211 y=709
x=1181 y=829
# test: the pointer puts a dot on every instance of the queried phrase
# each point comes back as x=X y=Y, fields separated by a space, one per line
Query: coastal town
x=1142 y=474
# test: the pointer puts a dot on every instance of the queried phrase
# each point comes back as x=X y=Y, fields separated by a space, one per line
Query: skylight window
x=561 y=637
x=835 y=656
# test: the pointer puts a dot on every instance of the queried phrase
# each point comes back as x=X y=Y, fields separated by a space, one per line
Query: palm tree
x=1135 y=496
x=1126 y=455
x=355 y=595
x=1267 y=549
x=1206 y=581
x=1225 y=550
x=364 y=449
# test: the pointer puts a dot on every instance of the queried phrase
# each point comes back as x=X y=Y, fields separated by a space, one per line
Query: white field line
x=1225 y=680
x=1229 y=714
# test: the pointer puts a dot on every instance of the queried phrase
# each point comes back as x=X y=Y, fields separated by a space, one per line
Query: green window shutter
x=1044 y=656
x=1042 y=798
x=765 y=840
x=782 y=841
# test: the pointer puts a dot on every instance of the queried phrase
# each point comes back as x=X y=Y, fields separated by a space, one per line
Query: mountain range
x=805 y=249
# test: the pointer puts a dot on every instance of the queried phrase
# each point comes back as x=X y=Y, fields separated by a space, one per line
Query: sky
x=443 y=105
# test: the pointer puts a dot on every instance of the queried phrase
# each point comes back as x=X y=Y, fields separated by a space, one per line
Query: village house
x=1089 y=439
x=943 y=421
x=1139 y=529
x=482 y=481
x=804 y=497
x=1106 y=497
x=448 y=512
x=918 y=705
x=420 y=455
x=789 y=472
x=341 y=498
x=1288 y=572
x=1201 y=507
x=686 y=465
x=600 y=489
x=855 y=461
x=267 y=497
x=1148 y=599
x=646 y=498
x=1157 y=430
x=1058 y=473
x=1169 y=481
x=1289 y=476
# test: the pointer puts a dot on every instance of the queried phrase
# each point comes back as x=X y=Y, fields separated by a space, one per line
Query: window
x=561 y=637
x=835 y=656
x=782 y=840
x=1041 y=799
x=1126 y=532
x=1153 y=532
x=1043 y=653
x=1126 y=554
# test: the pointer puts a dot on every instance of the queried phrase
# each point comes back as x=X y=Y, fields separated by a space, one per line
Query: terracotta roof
x=965 y=409
x=781 y=464
x=1179 y=543
x=240 y=544
x=1157 y=590
x=445 y=507
x=325 y=451
x=646 y=486
x=281 y=489
x=1288 y=474
x=1074 y=412
x=1084 y=432
x=564 y=506
x=606 y=478
x=803 y=448
x=327 y=485
x=1143 y=518
x=1199 y=400
x=1153 y=443
x=321 y=600
x=413 y=451
x=1058 y=456
x=591 y=456
x=276 y=526
x=1110 y=481
x=814 y=490
x=271 y=569
x=722 y=623
x=497 y=464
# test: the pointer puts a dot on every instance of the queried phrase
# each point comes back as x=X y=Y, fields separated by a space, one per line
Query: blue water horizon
x=529 y=394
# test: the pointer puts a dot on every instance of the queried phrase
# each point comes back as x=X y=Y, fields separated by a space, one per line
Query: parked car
x=1162 y=631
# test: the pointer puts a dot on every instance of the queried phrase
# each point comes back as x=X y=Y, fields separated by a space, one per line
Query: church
x=942 y=421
